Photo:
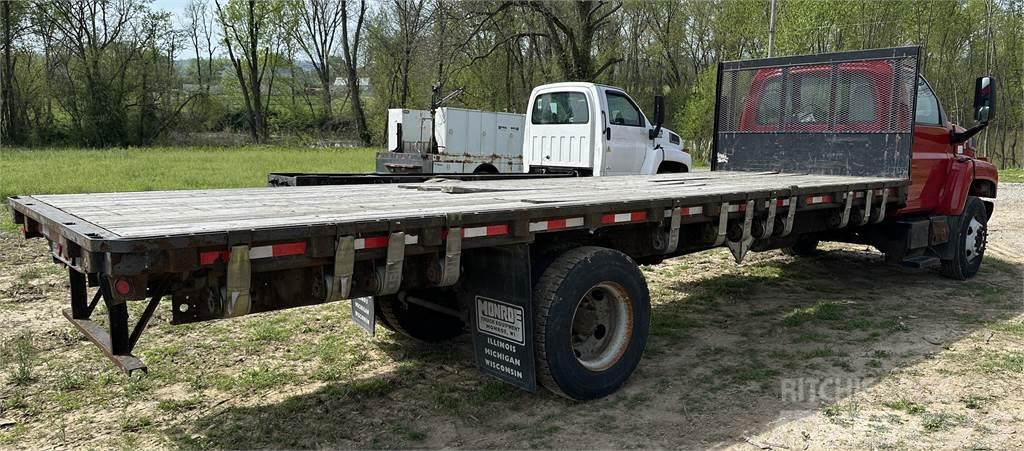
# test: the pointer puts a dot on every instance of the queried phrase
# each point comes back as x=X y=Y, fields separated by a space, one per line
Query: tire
x=486 y=169
x=803 y=247
x=672 y=169
x=381 y=319
x=969 y=242
x=416 y=321
x=607 y=287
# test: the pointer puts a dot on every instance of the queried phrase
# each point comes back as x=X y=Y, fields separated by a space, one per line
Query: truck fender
x=672 y=158
x=961 y=176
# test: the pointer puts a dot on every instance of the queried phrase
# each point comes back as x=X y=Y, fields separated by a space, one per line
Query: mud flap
x=496 y=285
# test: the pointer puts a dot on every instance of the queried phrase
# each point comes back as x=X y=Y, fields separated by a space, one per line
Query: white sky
x=175 y=6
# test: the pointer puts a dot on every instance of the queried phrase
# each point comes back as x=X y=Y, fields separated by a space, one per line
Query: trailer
x=543 y=273
x=449 y=140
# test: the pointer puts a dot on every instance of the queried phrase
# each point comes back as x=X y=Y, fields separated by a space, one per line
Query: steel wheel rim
x=602 y=324
x=974 y=241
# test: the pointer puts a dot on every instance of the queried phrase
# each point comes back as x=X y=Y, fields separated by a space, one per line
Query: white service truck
x=572 y=127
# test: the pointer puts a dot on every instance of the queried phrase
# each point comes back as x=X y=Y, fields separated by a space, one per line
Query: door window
x=560 y=108
x=622 y=111
x=927 y=104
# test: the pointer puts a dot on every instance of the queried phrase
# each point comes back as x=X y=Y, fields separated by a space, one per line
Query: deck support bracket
x=881 y=208
x=673 y=230
x=239 y=277
x=739 y=248
x=790 y=216
x=769 y=222
x=452 y=262
x=723 y=224
x=391 y=280
x=868 y=196
x=846 y=210
x=340 y=282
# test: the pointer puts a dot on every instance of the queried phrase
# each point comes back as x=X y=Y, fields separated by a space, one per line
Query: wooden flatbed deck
x=99 y=221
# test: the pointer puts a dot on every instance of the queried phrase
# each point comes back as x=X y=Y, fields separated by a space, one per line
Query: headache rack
x=848 y=113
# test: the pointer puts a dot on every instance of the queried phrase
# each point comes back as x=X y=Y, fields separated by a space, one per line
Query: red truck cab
x=865 y=97
x=944 y=170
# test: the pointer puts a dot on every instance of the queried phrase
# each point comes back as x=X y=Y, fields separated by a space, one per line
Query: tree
x=350 y=42
x=200 y=31
x=248 y=27
x=571 y=34
x=316 y=35
x=10 y=129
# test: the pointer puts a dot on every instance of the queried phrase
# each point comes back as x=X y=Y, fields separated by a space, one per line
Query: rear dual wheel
x=591 y=322
x=416 y=321
x=803 y=247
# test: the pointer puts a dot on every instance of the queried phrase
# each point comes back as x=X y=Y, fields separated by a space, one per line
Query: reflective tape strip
x=380 y=242
x=819 y=199
x=491 y=230
x=555 y=224
x=691 y=211
x=273 y=250
x=624 y=217
x=733 y=208
x=278 y=250
x=211 y=257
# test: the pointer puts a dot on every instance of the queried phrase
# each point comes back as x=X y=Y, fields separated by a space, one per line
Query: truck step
x=922 y=262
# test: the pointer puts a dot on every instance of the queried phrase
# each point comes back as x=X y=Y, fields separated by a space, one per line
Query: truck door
x=560 y=131
x=931 y=155
x=624 y=152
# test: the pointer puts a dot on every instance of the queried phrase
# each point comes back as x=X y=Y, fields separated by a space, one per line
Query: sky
x=175 y=6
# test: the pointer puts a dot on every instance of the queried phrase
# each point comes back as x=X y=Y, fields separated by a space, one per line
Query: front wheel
x=591 y=322
x=969 y=242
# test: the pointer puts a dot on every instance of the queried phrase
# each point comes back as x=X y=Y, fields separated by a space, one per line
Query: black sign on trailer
x=498 y=281
x=363 y=314
x=848 y=113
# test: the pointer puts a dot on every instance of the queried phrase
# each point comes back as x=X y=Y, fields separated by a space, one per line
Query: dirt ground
x=836 y=350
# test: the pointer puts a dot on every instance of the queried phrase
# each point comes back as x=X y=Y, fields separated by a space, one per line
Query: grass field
x=51 y=171
x=57 y=171
x=1015 y=175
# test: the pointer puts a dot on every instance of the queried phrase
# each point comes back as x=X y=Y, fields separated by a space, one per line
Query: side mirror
x=985 y=99
x=659 y=116
x=984 y=108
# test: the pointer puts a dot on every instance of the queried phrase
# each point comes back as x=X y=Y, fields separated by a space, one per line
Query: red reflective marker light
x=122 y=287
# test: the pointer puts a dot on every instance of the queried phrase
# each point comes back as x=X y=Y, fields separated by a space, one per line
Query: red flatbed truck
x=543 y=272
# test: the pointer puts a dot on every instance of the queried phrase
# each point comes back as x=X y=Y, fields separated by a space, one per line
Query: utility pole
x=771 y=28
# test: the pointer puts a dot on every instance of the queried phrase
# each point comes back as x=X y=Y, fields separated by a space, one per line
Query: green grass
x=823 y=311
x=905 y=406
x=22 y=352
x=1015 y=175
x=941 y=421
x=56 y=171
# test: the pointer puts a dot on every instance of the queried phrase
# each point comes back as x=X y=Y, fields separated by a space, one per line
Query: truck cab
x=869 y=116
x=593 y=129
x=944 y=167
